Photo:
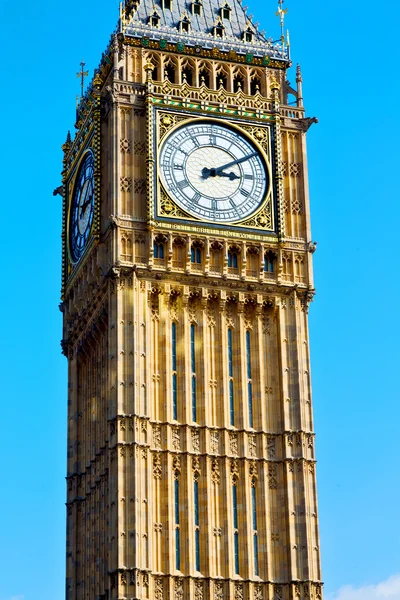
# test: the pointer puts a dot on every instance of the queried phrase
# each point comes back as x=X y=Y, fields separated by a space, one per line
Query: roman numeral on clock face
x=249 y=177
x=178 y=167
x=244 y=193
x=182 y=184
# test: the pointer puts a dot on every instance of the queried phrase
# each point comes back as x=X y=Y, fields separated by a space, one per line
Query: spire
x=299 y=81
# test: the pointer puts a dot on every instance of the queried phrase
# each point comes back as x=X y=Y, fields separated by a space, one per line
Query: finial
x=68 y=140
x=81 y=75
x=299 y=81
x=281 y=13
x=149 y=68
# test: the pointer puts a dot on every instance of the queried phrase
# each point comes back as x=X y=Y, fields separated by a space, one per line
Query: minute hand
x=235 y=162
x=214 y=172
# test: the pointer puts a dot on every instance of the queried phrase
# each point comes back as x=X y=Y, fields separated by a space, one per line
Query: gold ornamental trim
x=262 y=218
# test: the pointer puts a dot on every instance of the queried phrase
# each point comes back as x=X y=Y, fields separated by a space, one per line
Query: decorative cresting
x=209 y=27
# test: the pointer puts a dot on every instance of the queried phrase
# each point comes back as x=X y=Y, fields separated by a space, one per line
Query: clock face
x=213 y=172
x=82 y=207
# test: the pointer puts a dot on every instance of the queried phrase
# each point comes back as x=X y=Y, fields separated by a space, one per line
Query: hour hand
x=206 y=173
x=84 y=205
x=231 y=175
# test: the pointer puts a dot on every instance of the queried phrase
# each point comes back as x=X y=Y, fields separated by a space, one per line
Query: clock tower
x=187 y=277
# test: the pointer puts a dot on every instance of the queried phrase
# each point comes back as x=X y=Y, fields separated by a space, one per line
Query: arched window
x=222 y=78
x=204 y=77
x=216 y=257
x=196 y=255
x=226 y=12
x=178 y=253
x=154 y=19
x=238 y=83
x=253 y=262
x=184 y=25
x=158 y=250
x=170 y=72
x=233 y=259
x=248 y=35
x=269 y=262
x=187 y=72
x=255 y=86
x=197 y=8
x=219 y=28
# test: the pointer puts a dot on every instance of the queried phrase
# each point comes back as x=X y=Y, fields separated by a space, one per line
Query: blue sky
x=348 y=52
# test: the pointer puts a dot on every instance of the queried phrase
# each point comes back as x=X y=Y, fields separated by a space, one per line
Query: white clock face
x=213 y=172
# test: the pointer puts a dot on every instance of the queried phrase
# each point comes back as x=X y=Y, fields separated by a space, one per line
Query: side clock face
x=213 y=172
x=82 y=208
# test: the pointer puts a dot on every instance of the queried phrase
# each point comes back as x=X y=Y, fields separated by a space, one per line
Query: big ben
x=187 y=279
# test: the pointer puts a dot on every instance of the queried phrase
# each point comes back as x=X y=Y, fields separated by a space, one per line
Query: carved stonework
x=234 y=469
x=196 y=467
x=198 y=590
x=126 y=184
x=238 y=591
x=218 y=591
x=271 y=446
x=125 y=146
x=157 y=468
x=258 y=592
x=168 y=208
x=176 y=439
x=195 y=440
x=272 y=475
x=178 y=589
x=158 y=589
x=233 y=443
x=176 y=466
x=278 y=593
x=252 y=445
x=215 y=472
x=167 y=121
x=157 y=437
x=214 y=442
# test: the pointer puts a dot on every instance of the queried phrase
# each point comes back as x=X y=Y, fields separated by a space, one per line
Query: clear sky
x=349 y=55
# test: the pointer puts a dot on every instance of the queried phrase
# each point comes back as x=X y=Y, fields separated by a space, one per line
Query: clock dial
x=82 y=208
x=213 y=172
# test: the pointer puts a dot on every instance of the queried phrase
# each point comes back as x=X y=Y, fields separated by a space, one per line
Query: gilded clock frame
x=166 y=210
x=88 y=139
x=71 y=192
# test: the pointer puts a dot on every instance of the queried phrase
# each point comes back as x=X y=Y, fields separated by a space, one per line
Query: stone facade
x=191 y=465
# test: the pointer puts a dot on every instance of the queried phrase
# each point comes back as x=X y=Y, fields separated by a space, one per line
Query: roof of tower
x=139 y=14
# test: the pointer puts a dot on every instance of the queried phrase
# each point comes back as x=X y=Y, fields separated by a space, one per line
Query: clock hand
x=86 y=202
x=84 y=205
x=231 y=175
x=214 y=172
